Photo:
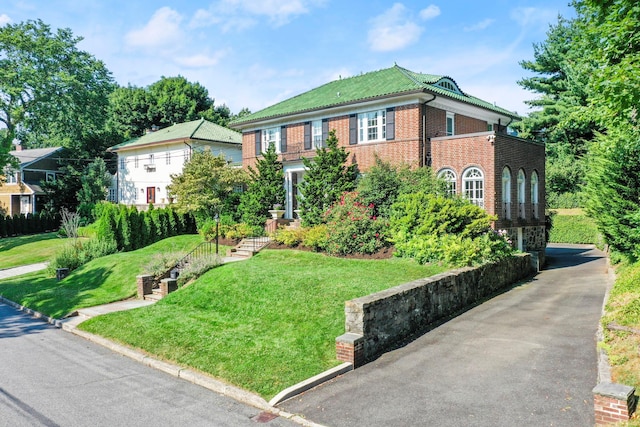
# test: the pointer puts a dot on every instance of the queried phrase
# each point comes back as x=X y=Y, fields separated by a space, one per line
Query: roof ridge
x=197 y=127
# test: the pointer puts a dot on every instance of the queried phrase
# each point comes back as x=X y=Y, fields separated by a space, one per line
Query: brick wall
x=613 y=403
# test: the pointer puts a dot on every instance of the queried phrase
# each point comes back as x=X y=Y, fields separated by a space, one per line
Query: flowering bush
x=352 y=227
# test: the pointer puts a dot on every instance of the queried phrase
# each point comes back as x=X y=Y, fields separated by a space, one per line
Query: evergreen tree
x=326 y=178
x=265 y=189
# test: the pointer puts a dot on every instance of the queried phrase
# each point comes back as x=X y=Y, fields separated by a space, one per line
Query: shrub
x=198 y=267
x=242 y=230
x=574 y=229
x=288 y=236
x=316 y=237
x=352 y=227
x=161 y=262
x=79 y=252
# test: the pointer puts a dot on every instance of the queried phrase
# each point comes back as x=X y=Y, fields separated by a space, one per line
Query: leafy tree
x=51 y=93
x=95 y=183
x=206 y=185
x=325 y=180
x=168 y=101
x=265 y=189
x=384 y=182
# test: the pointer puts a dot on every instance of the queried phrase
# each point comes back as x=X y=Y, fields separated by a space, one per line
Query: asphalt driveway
x=526 y=357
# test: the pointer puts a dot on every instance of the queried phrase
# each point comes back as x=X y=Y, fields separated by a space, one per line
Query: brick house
x=417 y=119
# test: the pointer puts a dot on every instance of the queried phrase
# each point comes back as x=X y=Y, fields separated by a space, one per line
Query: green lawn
x=103 y=280
x=31 y=249
x=263 y=324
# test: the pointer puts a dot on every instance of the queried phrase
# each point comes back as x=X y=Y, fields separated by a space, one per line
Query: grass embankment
x=623 y=309
x=572 y=226
x=263 y=324
x=32 y=249
x=103 y=280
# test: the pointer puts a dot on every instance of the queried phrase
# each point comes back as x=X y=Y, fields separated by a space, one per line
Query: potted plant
x=277 y=212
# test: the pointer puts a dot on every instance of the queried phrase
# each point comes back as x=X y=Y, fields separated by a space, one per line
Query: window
x=316 y=133
x=11 y=176
x=168 y=158
x=521 y=195
x=489 y=126
x=473 y=182
x=450 y=178
x=271 y=136
x=152 y=159
x=506 y=193
x=187 y=155
x=51 y=177
x=136 y=161
x=534 y=194
x=372 y=126
x=450 y=124
x=123 y=164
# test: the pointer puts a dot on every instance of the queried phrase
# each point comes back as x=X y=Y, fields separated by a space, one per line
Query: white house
x=145 y=164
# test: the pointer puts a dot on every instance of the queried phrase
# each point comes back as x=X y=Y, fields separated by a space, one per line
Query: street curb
x=310 y=383
x=191 y=376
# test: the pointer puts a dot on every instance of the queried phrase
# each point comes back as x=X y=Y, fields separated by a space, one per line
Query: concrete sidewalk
x=526 y=357
x=23 y=269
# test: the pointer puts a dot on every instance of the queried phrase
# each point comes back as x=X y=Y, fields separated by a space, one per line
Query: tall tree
x=326 y=178
x=51 y=93
x=95 y=184
x=265 y=189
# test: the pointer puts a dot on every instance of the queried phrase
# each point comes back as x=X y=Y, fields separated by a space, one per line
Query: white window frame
x=187 y=155
x=522 y=196
x=316 y=134
x=372 y=126
x=535 y=198
x=473 y=186
x=451 y=118
x=168 y=158
x=11 y=176
x=271 y=136
x=123 y=163
x=450 y=177
x=152 y=159
x=506 y=192
x=136 y=162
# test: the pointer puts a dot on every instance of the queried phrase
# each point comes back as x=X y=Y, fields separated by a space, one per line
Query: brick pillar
x=350 y=348
x=145 y=285
x=613 y=403
x=168 y=285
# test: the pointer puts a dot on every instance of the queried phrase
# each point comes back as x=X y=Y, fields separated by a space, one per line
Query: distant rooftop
x=196 y=130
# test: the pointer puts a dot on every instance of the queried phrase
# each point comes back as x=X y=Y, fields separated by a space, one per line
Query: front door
x=151 y=195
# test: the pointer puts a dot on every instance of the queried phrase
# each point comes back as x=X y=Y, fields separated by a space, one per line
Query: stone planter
x=276 y=213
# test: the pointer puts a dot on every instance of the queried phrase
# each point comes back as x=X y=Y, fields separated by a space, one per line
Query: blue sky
x=253 y=53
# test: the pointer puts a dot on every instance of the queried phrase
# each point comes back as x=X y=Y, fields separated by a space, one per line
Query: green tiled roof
x=376 y=84
x=197 y=129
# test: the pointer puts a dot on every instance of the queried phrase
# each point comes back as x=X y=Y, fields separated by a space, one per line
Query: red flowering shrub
x=353 y=228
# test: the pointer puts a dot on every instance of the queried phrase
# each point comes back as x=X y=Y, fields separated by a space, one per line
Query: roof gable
x=202 y=129
x=394 y=81
x=32 y=155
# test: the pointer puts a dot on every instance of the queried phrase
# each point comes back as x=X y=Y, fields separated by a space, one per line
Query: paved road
x=526 y=357
x=49 y=377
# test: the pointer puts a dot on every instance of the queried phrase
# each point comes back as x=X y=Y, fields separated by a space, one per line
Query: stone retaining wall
x=387 y=317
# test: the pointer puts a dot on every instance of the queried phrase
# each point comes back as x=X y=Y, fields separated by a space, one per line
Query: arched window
x=534 y=194
x=450 y=178
x=506 y=193
x=521 y=194
x=473 y=183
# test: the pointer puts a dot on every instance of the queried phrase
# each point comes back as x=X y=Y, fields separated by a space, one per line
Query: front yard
x=263 y=324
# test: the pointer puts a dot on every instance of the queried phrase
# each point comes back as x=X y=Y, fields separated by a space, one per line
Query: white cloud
x=241 y=14
x=480 y=25
x=531 y=16
x=393 y=30
x=201 y=60
x=4 y=19
x=430 y=12
x=163 y=29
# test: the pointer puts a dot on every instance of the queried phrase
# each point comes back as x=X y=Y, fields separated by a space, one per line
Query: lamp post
x=217 y=218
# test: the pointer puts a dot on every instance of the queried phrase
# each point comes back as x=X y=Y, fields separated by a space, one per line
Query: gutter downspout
x=424 y=132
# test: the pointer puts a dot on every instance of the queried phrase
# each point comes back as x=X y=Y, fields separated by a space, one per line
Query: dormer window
x=449 y=85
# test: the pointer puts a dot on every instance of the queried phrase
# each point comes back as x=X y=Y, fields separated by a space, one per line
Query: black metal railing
x=204 y=249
